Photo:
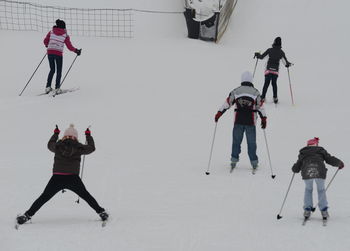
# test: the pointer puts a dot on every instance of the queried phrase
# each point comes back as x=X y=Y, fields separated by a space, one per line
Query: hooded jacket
x=68 y=154
x=55 y=41
x=311 y=162
x=247 y=100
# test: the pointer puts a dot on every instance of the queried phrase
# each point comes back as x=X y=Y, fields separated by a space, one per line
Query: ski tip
x=279 y=217
x=207 y=173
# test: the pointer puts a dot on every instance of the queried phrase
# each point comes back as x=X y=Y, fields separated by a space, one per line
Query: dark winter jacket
x=247 y=100
x=275 y=55
x=68 y=153
x=311 y=162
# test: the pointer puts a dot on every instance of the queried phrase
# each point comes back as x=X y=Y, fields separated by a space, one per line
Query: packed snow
x=151 y=102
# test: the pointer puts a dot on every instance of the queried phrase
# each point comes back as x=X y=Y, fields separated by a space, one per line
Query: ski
x=44 y=93
x=233 y=166
x=305 y=220
x=63 y=91
x=324 y=222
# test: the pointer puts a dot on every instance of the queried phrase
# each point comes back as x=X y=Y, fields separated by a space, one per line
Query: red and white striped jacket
x=55 y=41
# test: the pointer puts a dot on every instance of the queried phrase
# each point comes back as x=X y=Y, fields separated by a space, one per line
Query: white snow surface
x=151 y=103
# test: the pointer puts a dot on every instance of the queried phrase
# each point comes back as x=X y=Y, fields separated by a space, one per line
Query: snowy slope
x=151 y=103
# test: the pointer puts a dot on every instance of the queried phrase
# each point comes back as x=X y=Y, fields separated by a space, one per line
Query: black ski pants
x=273 y=79
x=59 y=182
x=55 y=61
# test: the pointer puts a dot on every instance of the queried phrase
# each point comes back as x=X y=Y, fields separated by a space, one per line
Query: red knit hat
x=313 y=142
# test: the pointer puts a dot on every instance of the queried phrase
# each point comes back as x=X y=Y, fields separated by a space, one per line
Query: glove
x=217 y=116
x=87 y=132
x=56 y=131
x=341 y=166
x=263 y=122
x=288 y=64
x=256 y=55
x=78 y=51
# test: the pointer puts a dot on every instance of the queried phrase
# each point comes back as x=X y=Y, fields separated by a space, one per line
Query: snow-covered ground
x=151 y=103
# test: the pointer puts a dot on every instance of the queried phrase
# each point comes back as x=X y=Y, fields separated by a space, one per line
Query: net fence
x=25 y=16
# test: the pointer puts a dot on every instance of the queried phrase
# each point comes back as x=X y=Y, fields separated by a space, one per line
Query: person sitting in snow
x=311 y=164
x=55 y=41
x=247 y=100
x=66 y=170
x=275 y=54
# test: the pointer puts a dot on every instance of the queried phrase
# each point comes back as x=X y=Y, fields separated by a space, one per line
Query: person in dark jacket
x=275 y=54
x=311 y=164
x=247 y=100
x=54 y=42
x=66 y=170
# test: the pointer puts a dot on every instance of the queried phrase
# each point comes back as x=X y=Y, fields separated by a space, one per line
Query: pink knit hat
x=71 y=131
x=313 y=142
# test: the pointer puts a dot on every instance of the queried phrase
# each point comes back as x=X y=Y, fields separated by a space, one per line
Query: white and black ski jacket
x=247 y=100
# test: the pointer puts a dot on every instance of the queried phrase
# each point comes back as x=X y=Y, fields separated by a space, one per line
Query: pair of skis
x=253 y=169
x=17 y=226
x=306 y=219
x=53 y=93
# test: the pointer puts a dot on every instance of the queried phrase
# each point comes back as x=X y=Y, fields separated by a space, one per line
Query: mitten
x=263 y=122
x=78 y=51
x=341 y=166
x=56 y=131
x=87 y=132
x=217 y=116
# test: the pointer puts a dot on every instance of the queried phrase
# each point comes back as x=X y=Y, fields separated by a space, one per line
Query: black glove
x=78 y=51
x=87 y=132
x=56 y=131
x=288 y=64
x=256 y=55
x=263 y=122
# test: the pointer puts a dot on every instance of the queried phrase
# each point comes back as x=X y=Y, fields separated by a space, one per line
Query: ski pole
x=314 y=208
x=33 y=74
x=290 y=87
x=332 y=179
x=68 y=70
x=256 y=63
x=285 y=197
x=268 y=154
x=211 y=150
x=82 y=169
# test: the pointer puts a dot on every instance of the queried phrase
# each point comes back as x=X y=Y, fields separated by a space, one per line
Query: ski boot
x=324 y=214
x=21 y=219
x=275 y=100
x=48 y=90
x=104 y=215
x=58 y=91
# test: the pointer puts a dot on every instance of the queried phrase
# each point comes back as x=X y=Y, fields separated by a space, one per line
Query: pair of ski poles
x=290 y=184
x=290 y=83
x=212 y=147
x=38 y=68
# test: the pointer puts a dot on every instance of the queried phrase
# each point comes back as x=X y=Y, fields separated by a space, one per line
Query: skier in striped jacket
x=54 y=42
x=247 y=100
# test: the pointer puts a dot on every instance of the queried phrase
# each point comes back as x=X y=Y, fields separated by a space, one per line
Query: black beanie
x=277 y=41
x=60 y=24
